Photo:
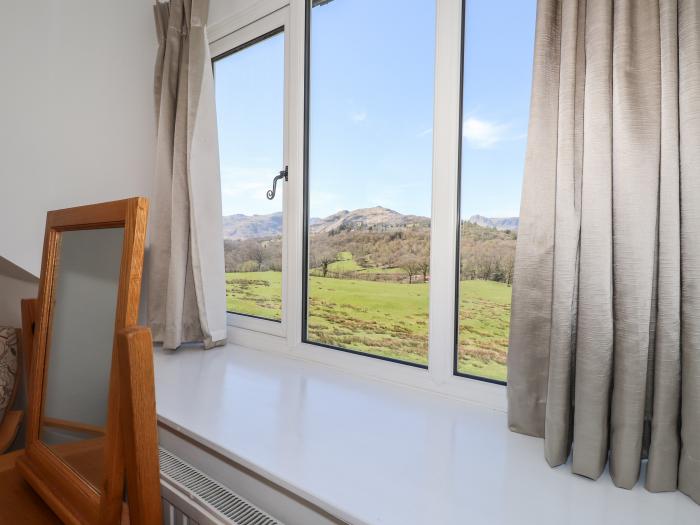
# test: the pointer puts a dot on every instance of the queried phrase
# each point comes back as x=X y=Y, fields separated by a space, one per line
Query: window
x=497 y=73
x=250 y=105
x=369 y=176
x=403 y=123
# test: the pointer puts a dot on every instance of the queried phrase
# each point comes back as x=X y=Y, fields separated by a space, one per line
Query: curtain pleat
x=594 y=337
x=689 y=110
x=636 y=135
x=604 y=358
x=186 y=279
x=566 y=233
x=531 y=307
x=662 y=470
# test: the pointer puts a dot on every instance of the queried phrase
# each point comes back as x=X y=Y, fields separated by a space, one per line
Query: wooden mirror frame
x=71 y=497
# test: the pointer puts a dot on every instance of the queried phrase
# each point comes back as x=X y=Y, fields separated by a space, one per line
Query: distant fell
x=499 y=223
x=378 y=218
x=240 y=227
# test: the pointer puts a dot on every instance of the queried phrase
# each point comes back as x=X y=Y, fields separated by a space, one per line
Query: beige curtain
x=186 y=299
x=604 y=358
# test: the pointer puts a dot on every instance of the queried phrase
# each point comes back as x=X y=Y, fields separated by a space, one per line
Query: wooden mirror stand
x=137 y=414
x=130 y=430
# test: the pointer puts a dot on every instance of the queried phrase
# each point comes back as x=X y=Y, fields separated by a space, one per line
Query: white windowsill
x=373 y=452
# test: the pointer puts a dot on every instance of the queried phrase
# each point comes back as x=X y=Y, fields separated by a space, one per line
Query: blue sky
x=250 y=119
x=371 y=109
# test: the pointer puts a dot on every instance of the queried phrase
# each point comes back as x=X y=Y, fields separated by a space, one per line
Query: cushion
x=8 y=369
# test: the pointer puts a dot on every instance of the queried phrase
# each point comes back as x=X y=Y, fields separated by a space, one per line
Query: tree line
x=485 y=253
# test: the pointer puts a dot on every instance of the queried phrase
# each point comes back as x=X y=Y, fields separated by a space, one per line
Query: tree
x=424 y=268
x=325 y=260
x=257 y=254
x=321 y=255
x=411 y=267
x=508 y=267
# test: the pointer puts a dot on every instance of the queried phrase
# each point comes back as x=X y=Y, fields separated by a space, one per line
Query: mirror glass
x=79 y=348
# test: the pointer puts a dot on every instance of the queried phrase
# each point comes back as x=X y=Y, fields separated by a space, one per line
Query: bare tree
x=508 y=261
x=424 y=268
x=257 y=254
x=411 y=267
x=325 y=261
x=322 y=256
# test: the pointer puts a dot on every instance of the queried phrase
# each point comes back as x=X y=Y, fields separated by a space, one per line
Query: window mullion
x=295 y=210
x=445 y=212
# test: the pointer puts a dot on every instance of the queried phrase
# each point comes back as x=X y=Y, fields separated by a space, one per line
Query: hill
x=241 y=227
x=499 y=223
x=377 y=219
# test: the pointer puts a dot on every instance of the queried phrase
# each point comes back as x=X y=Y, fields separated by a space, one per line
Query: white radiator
x=190 y=497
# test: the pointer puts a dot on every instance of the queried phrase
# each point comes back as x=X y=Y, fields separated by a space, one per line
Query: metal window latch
x=283 y=174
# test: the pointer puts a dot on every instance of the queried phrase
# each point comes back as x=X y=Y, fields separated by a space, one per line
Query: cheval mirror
x=89 y=290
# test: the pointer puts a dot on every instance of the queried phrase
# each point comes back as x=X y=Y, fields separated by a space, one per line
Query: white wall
x=77 y=123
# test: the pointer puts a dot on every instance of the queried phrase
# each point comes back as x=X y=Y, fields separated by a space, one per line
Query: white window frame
x=240 y=37
x=439 y=377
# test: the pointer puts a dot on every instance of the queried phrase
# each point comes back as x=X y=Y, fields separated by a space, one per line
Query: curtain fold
x=604 y=358
x=689 y=102
x=186 y=292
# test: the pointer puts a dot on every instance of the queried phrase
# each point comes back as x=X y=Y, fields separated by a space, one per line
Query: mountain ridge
x=366 y=218
x=240 y=227
x=499 y=223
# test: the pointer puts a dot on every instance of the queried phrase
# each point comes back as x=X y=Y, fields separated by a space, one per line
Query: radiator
x=190 y=497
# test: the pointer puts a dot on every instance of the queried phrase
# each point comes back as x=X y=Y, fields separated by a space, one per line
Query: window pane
x=250 y=115
x=369 y=176
x=498 y=52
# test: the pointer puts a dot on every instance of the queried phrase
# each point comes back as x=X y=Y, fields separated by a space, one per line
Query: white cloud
x=425 y=132
x=482 y=134
x=358 y=116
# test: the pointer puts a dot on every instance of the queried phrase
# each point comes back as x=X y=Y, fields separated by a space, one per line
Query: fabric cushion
x=8 y=369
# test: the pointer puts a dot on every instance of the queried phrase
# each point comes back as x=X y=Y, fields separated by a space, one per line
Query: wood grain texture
x=72 y=497
x=128 y=296
x=139 y=425
x=19 y=503
x=85 y=456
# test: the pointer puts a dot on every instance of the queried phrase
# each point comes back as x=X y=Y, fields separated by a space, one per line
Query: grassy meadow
x=386 y=318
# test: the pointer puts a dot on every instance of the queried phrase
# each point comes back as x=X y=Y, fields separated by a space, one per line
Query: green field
x=255 y=293
x=345 y=263
x=386 y=318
